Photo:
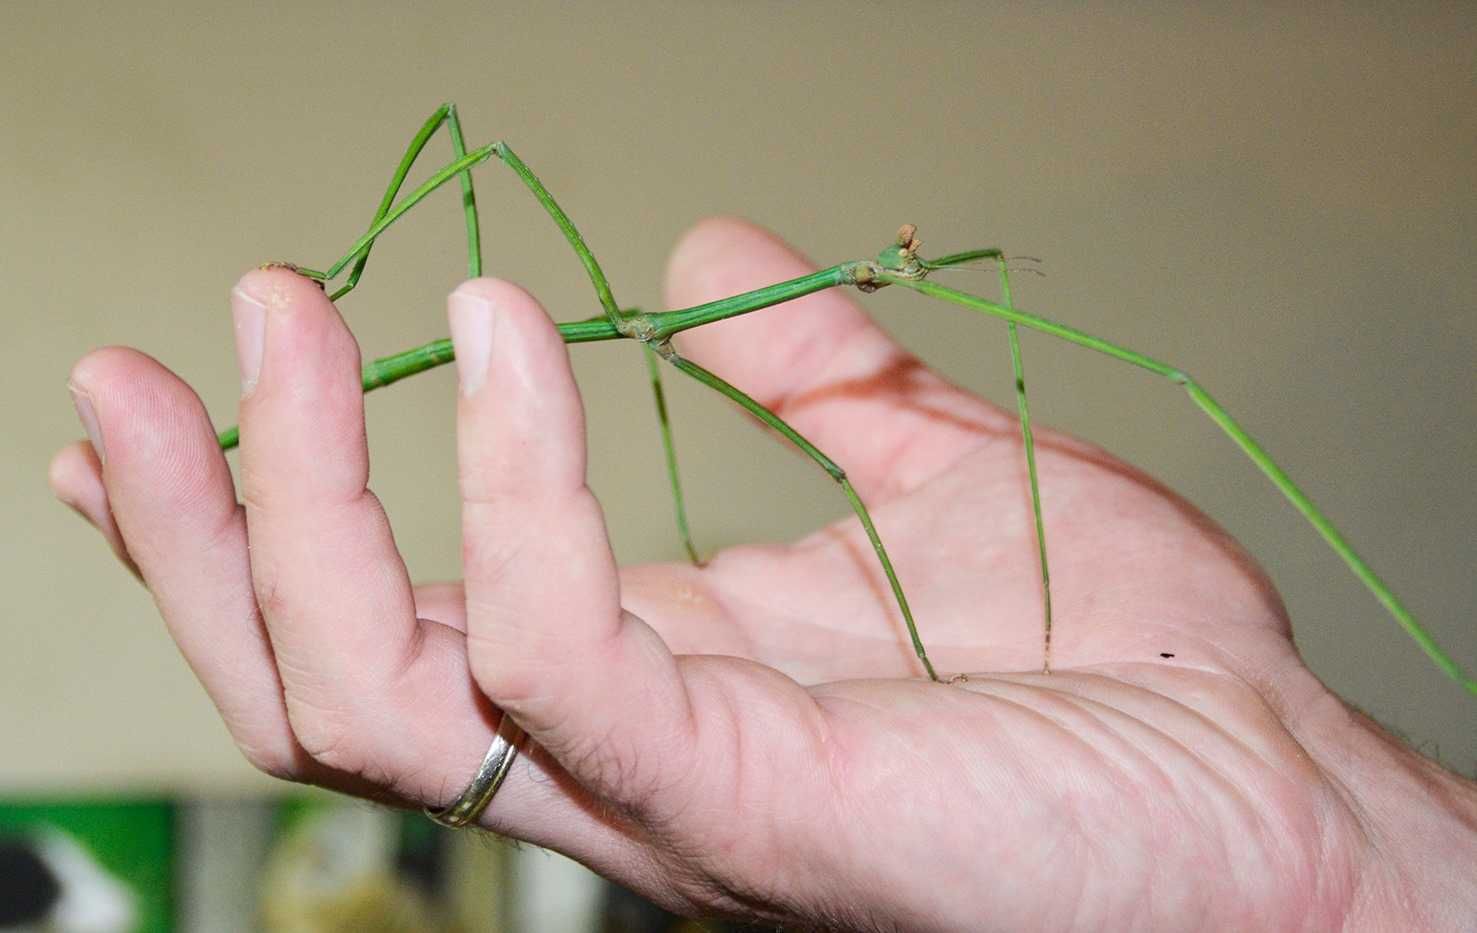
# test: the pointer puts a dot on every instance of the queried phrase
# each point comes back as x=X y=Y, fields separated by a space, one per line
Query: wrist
x=1419 y=821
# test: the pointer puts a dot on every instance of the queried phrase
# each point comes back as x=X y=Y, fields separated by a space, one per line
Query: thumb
x=821 y=363
x=547 y=639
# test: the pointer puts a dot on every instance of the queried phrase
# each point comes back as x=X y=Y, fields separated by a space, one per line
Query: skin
x=753 y=738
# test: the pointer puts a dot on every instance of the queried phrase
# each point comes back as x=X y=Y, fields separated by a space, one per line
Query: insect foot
x=311 y=275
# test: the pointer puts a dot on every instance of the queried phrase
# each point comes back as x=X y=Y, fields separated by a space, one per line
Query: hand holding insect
x=676 y=748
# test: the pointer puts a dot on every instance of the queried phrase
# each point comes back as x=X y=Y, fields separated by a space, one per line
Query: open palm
x=751 y=737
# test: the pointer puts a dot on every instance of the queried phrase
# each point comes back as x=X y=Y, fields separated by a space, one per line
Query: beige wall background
x=1282 y=201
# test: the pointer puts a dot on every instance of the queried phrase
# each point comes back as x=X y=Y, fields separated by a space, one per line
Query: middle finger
x=330 y=582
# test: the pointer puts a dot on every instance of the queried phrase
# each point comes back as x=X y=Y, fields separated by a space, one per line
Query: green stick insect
x=898 y=264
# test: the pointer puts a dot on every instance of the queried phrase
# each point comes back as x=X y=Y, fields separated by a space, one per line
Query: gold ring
x=489 y=777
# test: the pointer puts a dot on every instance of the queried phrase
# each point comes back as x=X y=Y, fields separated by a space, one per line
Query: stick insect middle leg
x=836 y=473
x=617 y=318
x=620 y=320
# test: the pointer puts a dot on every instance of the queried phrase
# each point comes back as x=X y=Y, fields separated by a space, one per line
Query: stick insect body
x=898 y=264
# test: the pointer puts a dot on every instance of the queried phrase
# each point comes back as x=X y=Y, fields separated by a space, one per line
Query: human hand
x=752 y=737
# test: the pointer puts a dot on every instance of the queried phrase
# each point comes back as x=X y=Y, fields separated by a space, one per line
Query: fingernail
x=472 y=320
x=250 y=317
x=88 y=416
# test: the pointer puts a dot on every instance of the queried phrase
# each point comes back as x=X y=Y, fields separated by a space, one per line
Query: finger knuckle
x=325 y=742
x=489 y=660
x=349 y=740
x=324 y=731
x=620 y=773
x=269 y=597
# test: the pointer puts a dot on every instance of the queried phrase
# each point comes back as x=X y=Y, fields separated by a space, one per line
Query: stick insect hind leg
x=388 y=212
x=447 y=114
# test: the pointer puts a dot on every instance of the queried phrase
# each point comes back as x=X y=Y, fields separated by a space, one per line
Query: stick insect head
x=901 y=256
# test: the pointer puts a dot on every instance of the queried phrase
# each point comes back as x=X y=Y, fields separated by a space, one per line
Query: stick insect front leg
x=669 y=448
x=907 y=246
x=1029 y=441
x=834 y=470
x=900 y=274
